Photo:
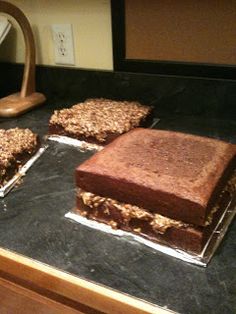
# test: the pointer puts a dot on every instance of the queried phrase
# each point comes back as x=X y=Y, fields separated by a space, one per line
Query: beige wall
x=91 y=22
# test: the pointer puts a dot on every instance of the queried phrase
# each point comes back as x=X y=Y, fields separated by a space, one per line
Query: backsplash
x=181 y=96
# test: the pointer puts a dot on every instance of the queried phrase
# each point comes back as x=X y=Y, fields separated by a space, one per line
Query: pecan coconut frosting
x=158 y=222
x=100 y=117
x=13 y=143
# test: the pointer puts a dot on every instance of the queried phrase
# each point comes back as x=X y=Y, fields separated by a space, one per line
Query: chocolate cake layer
x=173 y=174
x=16 y=147
x=153 y=226
x=99 y=121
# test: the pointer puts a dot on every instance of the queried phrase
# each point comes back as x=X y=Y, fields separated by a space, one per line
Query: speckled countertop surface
x=32 y=223
x=32 y=219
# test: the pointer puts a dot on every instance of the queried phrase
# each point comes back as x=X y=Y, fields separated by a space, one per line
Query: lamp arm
x=28 y=82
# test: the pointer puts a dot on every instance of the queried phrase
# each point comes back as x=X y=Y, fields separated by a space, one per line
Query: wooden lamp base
x=15 y=105
x=18 y=103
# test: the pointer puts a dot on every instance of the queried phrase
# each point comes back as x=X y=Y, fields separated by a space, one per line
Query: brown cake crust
x=99 y=121
x=174 y=174
x=16 y=147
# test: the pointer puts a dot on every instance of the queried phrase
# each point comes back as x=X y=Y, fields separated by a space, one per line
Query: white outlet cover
x=63 y=44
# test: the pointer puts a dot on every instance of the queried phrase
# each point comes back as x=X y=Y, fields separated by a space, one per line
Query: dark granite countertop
x=32 y=223
x=32 y=219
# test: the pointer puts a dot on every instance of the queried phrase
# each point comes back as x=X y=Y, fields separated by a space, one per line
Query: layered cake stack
x=17 y=146
x=165 y=186
x=99 y=121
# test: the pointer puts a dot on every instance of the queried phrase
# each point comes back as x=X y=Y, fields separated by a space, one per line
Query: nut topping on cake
x=158 y=222
x=15 y=144
x=99 y=118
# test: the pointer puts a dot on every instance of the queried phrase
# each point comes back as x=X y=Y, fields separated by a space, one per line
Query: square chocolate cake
x=17 y=146
x=165 y=186
x=99 y=121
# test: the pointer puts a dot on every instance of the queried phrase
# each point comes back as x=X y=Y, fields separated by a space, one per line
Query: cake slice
x=99 y=121
x=163 y=185
x=16 y=147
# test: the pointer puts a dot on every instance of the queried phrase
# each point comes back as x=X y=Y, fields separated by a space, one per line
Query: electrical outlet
x=63 y=44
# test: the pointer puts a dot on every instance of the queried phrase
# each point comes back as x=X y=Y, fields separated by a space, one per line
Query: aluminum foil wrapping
x=83 y=145
x=201 y=259
x=22 y=171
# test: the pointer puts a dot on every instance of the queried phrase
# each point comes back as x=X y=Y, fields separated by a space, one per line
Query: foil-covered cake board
x=22 y=171
x=201 y=259
x=83 y=145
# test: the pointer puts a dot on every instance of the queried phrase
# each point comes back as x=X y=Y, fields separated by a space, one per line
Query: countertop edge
x=28 y=272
